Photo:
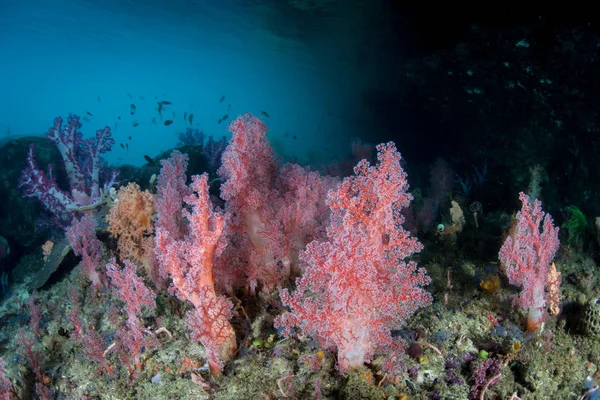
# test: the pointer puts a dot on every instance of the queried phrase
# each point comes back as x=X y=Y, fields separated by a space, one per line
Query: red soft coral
x=357 y=286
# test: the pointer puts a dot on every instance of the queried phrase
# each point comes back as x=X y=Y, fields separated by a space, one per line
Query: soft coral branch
x=170 y=191
x=275 y=209
x=249 y=168
x=526 y=256
x=136 y=296
x=189 y=262
x=82 y=161
x=82 y=236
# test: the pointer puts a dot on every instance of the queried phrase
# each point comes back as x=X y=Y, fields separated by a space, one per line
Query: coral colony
x=82 y=162
x=330 y=257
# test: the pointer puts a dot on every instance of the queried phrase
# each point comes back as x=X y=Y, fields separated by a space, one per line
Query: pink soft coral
x=136 y=296
x=82 y=236
x=189 y=261
x=526 y=256
x=249 y=168
x=275 y=210
x=357 y=286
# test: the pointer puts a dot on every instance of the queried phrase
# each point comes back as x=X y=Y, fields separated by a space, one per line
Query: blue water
x=78 y=56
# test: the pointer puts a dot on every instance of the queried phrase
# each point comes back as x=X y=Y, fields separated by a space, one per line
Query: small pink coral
x=82 y=236
x=526 y=256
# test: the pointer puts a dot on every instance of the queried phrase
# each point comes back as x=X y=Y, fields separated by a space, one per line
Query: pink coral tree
x=357 y=285
x=275 y=210
x=302 y=210
x=136 y=295
x=82 y=236
x=189 y=261
x=170 y=191
x=249 y=168
x=526 y=256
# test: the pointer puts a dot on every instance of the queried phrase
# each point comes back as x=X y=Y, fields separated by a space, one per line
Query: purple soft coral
x=191 y=137
x=82 y=159
x=213 y=150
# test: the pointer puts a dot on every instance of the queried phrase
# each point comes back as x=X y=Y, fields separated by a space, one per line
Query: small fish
x=116 y=126
x=89 y=113
x=119 y=117
x=287 y=134
x=154 y=120
x=123 y=147
x=129 y=95
x=98 y=98
x=173 y=114
x=134 y=124
x=160 y=107
x=148 y=159
x=265 y=114
x=86 y=119
x=127 y=146
x=165 y=102
x=142 y=97
x=132 y=109
x=191 y=118
x=168 y=122
x=223 y=118
x=229 y=107
x=294 y=137
x=222 y=98
x=129 y=137
x=185 y=116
